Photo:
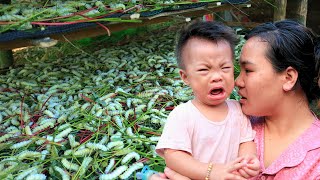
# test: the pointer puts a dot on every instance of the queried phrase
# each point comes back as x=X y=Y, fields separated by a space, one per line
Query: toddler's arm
x=247 y=148
x=186 y=165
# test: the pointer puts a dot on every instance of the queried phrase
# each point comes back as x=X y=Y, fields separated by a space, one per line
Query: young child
x=203 y=137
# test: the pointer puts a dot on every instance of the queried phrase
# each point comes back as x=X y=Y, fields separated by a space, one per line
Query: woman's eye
x=202 y=69
x=247 y=70
x=227 y=67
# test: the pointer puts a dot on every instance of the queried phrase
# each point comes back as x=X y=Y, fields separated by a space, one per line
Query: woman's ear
x=291 y=77
x=184 y=76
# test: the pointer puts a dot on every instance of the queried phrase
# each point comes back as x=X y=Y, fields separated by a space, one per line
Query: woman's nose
x=239 y=82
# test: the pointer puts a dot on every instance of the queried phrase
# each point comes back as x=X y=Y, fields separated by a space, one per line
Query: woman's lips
x=243 y=100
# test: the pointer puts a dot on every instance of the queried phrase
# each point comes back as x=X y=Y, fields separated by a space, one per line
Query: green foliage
x=234 y=94
x=131 y=34
x=25 y=14
x=237 y=53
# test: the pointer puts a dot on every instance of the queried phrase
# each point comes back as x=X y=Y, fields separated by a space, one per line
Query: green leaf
x=123 y=151
x=54 y=152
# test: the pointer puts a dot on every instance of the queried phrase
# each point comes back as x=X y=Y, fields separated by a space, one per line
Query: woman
x=279 y=78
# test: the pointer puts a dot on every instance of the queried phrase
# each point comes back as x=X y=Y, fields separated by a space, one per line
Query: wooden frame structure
x=298 y=10
x=113 y=27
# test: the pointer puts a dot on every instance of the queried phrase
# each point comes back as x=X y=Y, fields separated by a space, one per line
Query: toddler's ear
x=184 y=76
x=291 y=77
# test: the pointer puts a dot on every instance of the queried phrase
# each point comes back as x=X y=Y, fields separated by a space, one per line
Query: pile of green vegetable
x=89 y=115
x=27 y=14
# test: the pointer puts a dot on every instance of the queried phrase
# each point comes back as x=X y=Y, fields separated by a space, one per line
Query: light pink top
x=188 y=130
x=301 y=161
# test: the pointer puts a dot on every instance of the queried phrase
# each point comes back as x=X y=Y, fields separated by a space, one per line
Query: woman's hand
x=168 y=174
x=226 y=171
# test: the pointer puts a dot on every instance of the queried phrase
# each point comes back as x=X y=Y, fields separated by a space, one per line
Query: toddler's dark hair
x=213 y=31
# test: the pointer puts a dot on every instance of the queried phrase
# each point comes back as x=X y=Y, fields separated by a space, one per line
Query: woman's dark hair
x=213 y=31
x=292 y=44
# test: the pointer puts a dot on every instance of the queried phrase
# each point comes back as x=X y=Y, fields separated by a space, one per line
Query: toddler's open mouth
x=216 y=91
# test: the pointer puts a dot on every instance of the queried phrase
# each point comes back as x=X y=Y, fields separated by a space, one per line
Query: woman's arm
x=168 y=174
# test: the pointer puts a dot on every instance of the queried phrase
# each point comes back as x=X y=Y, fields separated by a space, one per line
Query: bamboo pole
x=302 y=11
x=280 y=10
x=298 y=10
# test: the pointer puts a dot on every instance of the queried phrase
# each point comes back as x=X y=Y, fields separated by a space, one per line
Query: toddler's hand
x=225 y=171
x=252 y=167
